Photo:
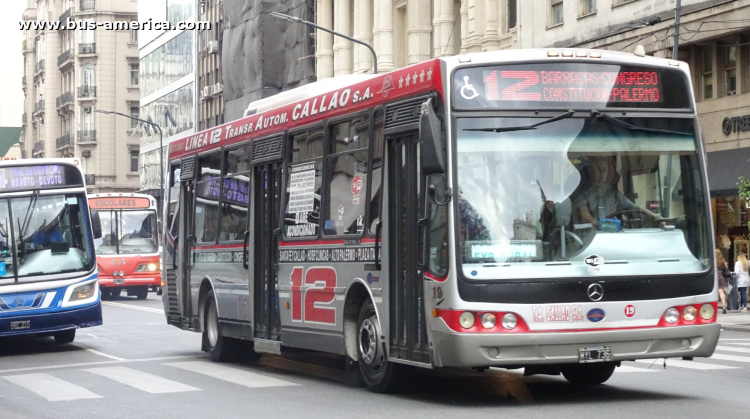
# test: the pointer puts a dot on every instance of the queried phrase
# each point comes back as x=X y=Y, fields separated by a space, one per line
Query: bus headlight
x=82 y=292
x=672 y=315
x=689 y=313
x=488 y=320
x=146 y=267
x=707 y=311
x=510 y=321
x=466 y=320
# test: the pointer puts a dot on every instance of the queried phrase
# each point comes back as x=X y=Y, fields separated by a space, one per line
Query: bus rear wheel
x=379 y=375
x=217 y=346
x=141 y=293
x=66 y=336
x=588 y=374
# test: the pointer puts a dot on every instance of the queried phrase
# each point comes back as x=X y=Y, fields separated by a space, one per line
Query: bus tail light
x=481 y=322
x=489 y=320
x=510 y=321
x=466 y=320
x=672 y=315
x=689 y=315
x=707 y=311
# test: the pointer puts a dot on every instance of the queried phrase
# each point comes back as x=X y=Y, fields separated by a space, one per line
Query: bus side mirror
x=432 y=158
x=96 y=225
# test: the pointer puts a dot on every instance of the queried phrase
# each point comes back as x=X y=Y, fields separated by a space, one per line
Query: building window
x=730 y=69
x=588 y=7
x=512 y=14
x=134 y=112
x=304 y=184
x=619 y=2
x=556 y=12
x=708 y=75
x=134 y=74
x=134 y=160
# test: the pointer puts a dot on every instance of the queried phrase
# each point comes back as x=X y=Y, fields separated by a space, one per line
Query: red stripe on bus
x=366 y=240
x=218 y=246
x=435 y=278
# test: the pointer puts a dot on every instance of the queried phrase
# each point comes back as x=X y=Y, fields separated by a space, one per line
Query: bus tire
x=587 y=374
x=114 y=292
x=378 y=375
x=66 y=336
x=217 y=346
x=141 y=293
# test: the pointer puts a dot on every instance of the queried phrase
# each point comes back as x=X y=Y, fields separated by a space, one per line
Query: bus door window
x=302 y=213
x=236 y=190
x=376 y=178
x=347 y=164
x=207 y=202
x=6 y=244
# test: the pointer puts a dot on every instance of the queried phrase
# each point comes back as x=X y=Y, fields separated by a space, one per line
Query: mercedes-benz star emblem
x=595 y=292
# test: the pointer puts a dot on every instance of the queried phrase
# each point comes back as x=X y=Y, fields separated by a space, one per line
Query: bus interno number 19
x=48 y=282
x=127 y=254
x=529 y=208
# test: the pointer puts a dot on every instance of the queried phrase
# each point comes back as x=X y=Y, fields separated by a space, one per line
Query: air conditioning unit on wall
x=218 y=89
x=213 y=47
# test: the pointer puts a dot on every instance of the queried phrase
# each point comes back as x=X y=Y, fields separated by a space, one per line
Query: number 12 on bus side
x=314 y=303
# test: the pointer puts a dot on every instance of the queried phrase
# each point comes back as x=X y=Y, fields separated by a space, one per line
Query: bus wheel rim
x=212 y=326
x=369 y=343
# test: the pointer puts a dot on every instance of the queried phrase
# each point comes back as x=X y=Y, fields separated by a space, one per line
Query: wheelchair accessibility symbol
x=467 y=90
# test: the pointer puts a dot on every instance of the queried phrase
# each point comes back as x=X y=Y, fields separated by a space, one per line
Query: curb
x=736 y=328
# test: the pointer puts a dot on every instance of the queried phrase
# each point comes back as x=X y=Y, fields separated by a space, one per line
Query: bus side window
x=303 y=189
x=377 y=165
x=236 y=190
x=347 y=165
x=207 y=202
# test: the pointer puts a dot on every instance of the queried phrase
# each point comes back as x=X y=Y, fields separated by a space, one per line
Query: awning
x=724 y=168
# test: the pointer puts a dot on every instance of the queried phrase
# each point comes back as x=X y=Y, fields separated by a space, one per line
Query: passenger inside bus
x=47 y=233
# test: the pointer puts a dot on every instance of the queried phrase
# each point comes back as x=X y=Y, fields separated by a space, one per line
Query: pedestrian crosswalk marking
x=51 y=387
x=230 y=374
x=735 y=358
x=733 y=349
x=686 y=364
x=625 y=368
x=142 y=380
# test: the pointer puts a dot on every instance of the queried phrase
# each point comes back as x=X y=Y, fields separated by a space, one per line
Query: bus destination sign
x=563 y=85
x=119 y=202
x=32 y=177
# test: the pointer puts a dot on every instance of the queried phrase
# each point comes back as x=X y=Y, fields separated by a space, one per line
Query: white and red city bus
x=545 y=209
x=127 y=254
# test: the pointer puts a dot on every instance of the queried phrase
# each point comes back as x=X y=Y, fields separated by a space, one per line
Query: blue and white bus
x=48 y=276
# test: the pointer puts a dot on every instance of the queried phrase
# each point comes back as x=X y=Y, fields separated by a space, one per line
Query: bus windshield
x=579 y=197
x=127 y=232
x=43 y=235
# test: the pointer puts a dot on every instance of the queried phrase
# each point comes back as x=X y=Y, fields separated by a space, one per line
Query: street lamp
x=161 y=148
x=304 y=22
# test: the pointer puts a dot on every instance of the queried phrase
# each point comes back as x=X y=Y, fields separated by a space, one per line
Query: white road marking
x=230 y=374
x=722 y=340
x=686 y=364
x=94 y=351
x=733 y=349
x=88 y=364
x=142 y=380
x=97 y=337
x=51 y=388
x=625 y=368
x=132 y=307
x=738 y=343
x=735 y=358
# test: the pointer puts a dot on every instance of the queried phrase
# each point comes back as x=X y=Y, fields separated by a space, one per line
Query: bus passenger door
x=266 y=200
x=408 y=336
x=185 y=241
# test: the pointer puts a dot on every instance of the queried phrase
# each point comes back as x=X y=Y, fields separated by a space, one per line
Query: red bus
x=127 y=254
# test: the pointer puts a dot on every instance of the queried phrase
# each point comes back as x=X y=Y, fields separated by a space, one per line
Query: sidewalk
x=734 y=320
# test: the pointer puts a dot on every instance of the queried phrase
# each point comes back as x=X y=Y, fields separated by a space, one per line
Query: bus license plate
x=119 y=281
x=24 y=324
x=595 y=354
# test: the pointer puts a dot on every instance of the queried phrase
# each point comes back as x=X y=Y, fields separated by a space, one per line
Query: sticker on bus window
x=3 y=269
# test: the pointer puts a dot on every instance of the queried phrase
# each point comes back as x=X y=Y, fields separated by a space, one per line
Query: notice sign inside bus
x=566 y=85
x=49 y=176
x=119 y=202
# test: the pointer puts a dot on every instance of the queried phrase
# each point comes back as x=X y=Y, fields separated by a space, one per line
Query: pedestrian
x=723 y=274
x=743 y=280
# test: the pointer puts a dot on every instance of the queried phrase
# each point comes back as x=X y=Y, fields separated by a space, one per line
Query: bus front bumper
x=109 y=282
x=30 y=323
x=453 y=349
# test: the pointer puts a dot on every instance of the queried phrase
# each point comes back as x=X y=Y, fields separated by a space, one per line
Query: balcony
x=38 y=148
x=63 y=99
x=39 y=67
x=64 y=17
x=87 y=92
x=87 y=48
x=90 y=179
x=64 y=58
x=39 y=107
x=88 y=5
x=86 y=136
x=63 y=142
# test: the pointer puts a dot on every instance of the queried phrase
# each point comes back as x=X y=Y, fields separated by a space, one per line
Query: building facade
x=405 y=32
x=69 y=75
x=168 y=93
x=209 y=80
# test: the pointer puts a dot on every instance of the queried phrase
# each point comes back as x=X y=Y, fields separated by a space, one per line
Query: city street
x=136 y=366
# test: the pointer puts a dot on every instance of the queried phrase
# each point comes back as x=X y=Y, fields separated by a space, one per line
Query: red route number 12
x=512 y=92
x=313 y=304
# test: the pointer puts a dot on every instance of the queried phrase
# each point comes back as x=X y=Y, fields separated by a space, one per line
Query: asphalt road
x=136 y=366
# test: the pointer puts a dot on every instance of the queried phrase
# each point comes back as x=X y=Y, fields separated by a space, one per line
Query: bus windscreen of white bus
x=127 y=232
x=579 y=197
x=43 y=235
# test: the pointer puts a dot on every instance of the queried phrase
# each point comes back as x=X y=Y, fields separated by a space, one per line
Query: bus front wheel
x=379 y=375
x=587 y=374
x=66 y=336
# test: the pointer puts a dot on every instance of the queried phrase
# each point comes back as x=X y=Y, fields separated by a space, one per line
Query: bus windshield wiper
x=620 y=123
x=567 y=114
